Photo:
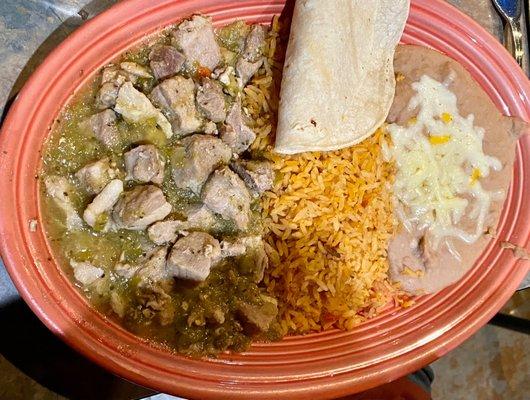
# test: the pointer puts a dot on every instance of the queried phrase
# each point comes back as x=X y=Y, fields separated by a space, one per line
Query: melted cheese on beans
x=440 y=162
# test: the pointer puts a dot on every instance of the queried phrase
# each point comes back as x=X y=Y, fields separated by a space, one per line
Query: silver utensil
x=510 y=10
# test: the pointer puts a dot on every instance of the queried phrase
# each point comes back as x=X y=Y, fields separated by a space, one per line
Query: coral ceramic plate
x=321 y=365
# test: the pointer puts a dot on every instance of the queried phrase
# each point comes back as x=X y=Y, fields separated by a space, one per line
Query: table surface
x=29 y=30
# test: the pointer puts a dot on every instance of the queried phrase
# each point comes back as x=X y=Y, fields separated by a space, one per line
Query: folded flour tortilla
x=338 y=78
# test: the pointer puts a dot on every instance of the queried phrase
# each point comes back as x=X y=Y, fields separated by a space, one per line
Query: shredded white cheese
x=440 y=161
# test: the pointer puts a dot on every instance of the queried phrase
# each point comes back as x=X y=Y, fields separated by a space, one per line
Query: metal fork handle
x=513 y=36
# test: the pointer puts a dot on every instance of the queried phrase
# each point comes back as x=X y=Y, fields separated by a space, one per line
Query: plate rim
x=36 y=299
